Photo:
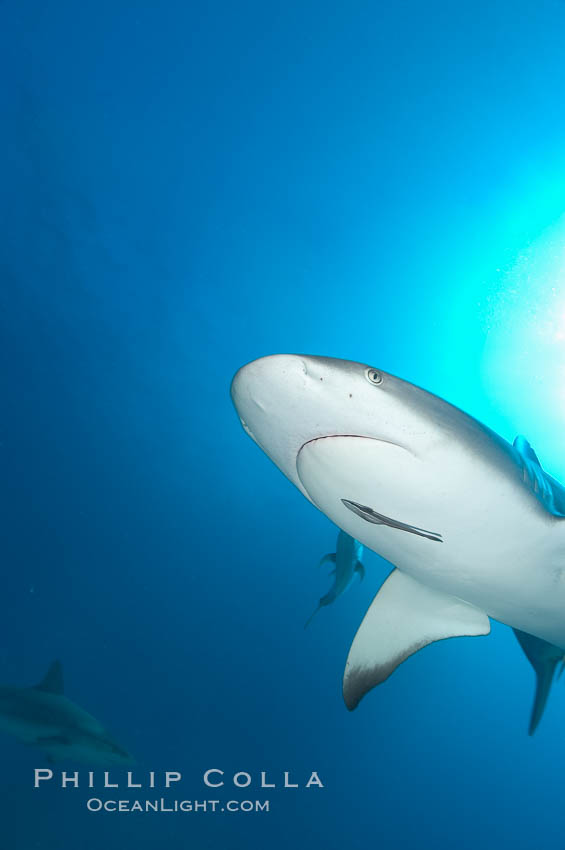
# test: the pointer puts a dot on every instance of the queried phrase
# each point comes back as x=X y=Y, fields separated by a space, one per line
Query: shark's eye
x=373 y=376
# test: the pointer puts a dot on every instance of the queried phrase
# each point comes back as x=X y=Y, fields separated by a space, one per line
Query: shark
x=347 y=561
x=42 y=716
x=471 y=524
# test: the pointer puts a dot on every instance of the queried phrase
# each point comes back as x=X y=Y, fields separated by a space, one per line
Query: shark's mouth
x=334 y=456
x=354 y=436
x=333 y=445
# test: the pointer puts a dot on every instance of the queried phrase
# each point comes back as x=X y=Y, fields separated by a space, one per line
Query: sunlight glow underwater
x=523 y=359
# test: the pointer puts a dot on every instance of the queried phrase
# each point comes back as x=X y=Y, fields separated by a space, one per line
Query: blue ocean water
x=189 y=186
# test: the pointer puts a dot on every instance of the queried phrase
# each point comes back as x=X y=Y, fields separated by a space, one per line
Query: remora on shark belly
x=473 y=524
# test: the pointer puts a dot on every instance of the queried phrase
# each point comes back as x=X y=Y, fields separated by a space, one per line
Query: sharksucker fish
x=472 y=524
x=379 y=519
x=347 y=564
x=44 y=717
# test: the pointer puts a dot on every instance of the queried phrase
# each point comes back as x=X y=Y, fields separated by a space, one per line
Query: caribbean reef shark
x=347 y=563
x=473 y=525
x=43 y=717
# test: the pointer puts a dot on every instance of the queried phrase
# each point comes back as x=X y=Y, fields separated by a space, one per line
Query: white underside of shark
x=472 y=524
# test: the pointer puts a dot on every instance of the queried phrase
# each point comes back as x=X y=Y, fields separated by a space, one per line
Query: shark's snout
x=277 y=399
x=285 y=400
x=269 y=386
x=263 y=379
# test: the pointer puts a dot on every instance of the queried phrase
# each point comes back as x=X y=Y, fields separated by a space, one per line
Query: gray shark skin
x=347 y=561
x=42 y=716
x=387 y=461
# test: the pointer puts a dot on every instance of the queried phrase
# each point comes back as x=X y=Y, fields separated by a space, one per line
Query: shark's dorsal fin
x=525 y=449
x=543 y=657
x=549 y=491
x=52 y=683
x=404 y=617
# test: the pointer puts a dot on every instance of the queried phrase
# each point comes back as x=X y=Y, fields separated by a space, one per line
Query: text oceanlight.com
x=95 y=804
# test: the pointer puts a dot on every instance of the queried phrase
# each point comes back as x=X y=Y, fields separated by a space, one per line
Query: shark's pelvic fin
x=543 y=657
x=404 y=617
x=360 y=570
x=52 y=683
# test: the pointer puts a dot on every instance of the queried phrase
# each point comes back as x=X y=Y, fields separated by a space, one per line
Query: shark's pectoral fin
x=404 y=617
x=360 y=570
x=52 y=683
x=47 y=740
x=331 y=557
x=543 y=657
x=51 y=746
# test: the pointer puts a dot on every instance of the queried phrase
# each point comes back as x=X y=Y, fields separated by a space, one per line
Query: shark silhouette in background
x=347 y=561
x=44 y=717
x=472 y=524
